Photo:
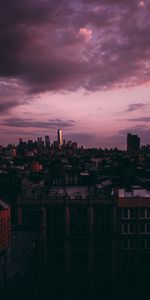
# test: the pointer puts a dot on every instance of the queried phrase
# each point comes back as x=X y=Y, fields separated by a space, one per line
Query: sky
x=79 y=65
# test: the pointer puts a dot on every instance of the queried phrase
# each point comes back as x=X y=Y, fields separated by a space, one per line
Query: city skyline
x=77 y=65
x=133 y=145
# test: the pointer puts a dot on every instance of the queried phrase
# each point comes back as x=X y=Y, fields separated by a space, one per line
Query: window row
x=143 y=228
x=133 y=213
x=76 y=215
x=136 y=244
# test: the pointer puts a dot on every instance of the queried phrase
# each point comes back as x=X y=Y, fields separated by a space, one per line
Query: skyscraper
x=47 y=142
x=40 y=143
x=133 y=144
x=60 y=140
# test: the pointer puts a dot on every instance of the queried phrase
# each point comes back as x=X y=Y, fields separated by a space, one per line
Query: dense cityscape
x=75 y=150
x=75 y=222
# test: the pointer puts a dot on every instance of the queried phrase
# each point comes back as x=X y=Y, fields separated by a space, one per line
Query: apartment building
x=78 y=229
x=133 y=243
x=97 y=242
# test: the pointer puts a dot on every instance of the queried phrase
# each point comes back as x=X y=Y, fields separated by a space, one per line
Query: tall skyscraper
x=133 y=144
x=60 y=140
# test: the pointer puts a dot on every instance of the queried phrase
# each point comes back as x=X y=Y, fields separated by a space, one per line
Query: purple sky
x=80 y=65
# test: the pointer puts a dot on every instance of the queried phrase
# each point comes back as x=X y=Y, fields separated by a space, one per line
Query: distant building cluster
x=75 y=222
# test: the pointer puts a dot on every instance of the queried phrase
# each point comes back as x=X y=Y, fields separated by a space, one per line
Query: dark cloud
x=64 y=45
x=6 y=106
x=11 y=95
x=136 y=106
x=141 y=119
x=142 y=131
x=110 y=2
x=138 y=129
x=33 y=12
x=29 y=123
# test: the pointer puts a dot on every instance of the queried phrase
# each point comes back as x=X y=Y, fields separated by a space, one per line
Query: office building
x=47 y=142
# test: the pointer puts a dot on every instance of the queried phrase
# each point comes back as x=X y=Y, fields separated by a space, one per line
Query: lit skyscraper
x=60 y=141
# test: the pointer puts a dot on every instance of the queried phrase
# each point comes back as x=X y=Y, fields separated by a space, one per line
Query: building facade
x=133 y=243
x=97 y=242
x=5 y=230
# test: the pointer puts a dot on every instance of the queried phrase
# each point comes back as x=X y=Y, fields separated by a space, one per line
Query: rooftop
x=72 y=191
x=135 y=192
x=3 y=205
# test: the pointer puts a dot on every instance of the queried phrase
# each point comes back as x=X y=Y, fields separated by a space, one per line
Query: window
x=148 y=243
x=144 y=228
x=102 y=220
x=131 y=228
x=128 y=228
x=144 y=243
x=125 y=244
x=148 y=213
x=128 y=213
x=132 y=212
x=125 y=228
x=144 y=213
x=78 y=220
x=31 y=217
x=148 y=228
x=128 y=244
x=124 y=213
x=56 y=219
x=131 y=244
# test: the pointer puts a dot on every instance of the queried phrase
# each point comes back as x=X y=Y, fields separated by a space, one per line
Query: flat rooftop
x=135 y=192
x=72 y=191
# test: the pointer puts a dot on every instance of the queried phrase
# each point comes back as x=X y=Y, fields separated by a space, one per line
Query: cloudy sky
x=80 y=65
